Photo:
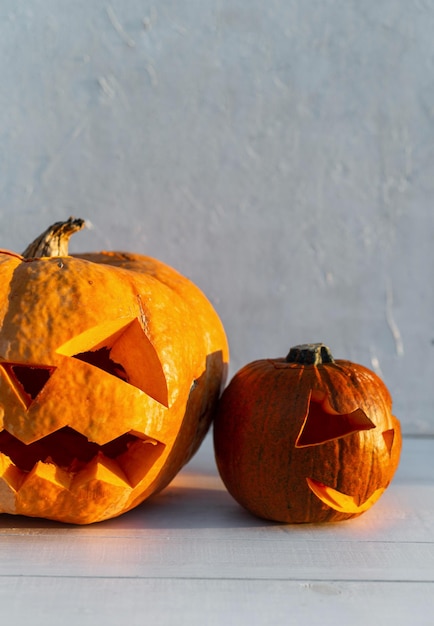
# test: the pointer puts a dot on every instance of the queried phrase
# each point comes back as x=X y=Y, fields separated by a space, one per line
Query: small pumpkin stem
x=54 y=241
x=310 y=354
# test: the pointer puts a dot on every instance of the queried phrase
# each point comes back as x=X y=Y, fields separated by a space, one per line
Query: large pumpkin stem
x=54 y=241
x=310 y=354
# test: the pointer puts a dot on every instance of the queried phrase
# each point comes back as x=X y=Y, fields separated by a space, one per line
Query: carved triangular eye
x=101 y=358
x=27 y=380
x=323 y=424
x=122 y=348
x=389 y=436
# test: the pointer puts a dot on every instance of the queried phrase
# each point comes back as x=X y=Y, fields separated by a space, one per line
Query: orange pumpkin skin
x=111 y=365
x=306 y=442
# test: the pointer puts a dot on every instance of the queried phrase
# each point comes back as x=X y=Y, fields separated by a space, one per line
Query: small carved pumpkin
x=111 y=365
x=306 y=438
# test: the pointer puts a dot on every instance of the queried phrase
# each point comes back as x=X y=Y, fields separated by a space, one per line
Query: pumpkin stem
x=310 y=354
x=54 y=241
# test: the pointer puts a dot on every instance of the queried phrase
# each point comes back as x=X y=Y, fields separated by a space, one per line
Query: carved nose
x=27 y=380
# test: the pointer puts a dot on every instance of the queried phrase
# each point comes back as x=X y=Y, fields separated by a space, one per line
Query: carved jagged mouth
x=340 y=501
x=129 y=456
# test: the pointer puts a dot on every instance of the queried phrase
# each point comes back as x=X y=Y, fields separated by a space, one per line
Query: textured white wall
x=278 y=153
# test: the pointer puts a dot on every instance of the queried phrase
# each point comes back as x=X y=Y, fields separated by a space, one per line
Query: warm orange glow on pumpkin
x=306 y=438
x=322 y=423
x=341 y=501
x=111 y=365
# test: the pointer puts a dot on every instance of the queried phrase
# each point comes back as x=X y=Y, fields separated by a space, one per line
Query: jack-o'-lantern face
x=324 y=425
x=110 y=367
x=299 y=440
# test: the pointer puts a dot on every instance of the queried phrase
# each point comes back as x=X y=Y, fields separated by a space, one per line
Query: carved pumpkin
x=111 y=365
x=306 y=438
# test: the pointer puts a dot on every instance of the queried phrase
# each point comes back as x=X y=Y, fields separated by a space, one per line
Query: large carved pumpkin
x=111 y=365
x=306 y=438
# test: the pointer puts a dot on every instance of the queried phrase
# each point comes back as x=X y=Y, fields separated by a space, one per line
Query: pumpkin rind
x=266 y=464
x=168 y=345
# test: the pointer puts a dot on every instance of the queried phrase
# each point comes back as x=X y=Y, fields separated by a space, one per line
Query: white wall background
x=279 y=153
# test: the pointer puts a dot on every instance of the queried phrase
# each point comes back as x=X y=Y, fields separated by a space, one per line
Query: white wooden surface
x=193 y=556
